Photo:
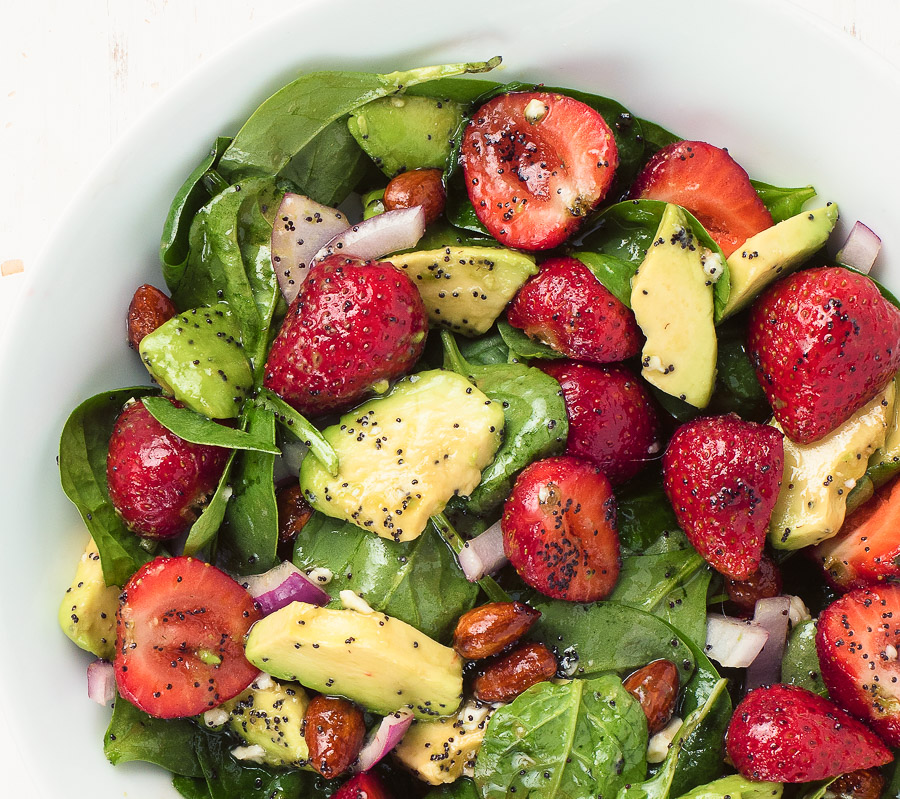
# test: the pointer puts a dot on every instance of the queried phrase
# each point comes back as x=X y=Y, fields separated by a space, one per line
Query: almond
x=655 y=686
x=423 y=187
x=487 y=630
x=504 y=679
x=762 y=584
x=334 y=730
x=149 y=308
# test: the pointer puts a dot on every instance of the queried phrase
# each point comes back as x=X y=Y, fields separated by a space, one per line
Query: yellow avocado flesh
x=403 y=456
x=378 y=661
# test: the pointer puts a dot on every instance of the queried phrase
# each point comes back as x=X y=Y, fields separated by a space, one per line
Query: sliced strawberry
x=180 y=638
x=784 y=733
x=858 y=640
x=722 y=476
x=535 y=165
x=352 y=326
x=711 y=185
x=612 y=418
x=559 y=529
x=824 y=342
x=567 y=308
x=156 y=479
x=362 y=786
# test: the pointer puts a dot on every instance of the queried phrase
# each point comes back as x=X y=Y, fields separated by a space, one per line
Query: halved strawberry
x=858 y=640
x=711 y=185
x=362 y=786
x=535 y=164
x=567 y=308
x=180 y=638
x=559 y=529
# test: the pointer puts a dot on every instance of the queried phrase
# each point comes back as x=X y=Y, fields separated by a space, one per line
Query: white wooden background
x=75 y=75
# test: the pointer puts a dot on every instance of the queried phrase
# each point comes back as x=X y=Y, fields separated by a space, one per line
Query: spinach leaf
x=204 y=530
x=520 y=345
x=645 y=514
x=655 y=137
x=416 y=581
x=461 y=789
x=484 y=350
x=295 y=115
x=579 y=739
x=783 y=203
x=459 y=210
x=193 y=194
x=737 y=389
x=190 y=787
x=613 y=273
x=459 y=90
x=133 y=735
x=83 y=448
x=684 y=607
x=197 y=429
x=440 y=234
x=800 y=662
x=536 y=421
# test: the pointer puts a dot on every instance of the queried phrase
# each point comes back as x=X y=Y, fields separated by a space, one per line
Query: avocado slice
x=403 y=456
x=775 y=252
x=672 y=300
x=400 y=133
x=466 y=288
x=87 y=613
x=198 y=358
x=818 y=477
x=380 y=662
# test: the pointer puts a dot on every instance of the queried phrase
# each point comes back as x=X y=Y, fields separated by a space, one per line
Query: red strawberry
x=559 y=529
x=711 y=185
x=824 y=342
x=567 y=308
x=535 y=165
x=351 y=326
x=722 y=476
x=180 y=638
x=858 y=640
x=784 y=733
x=156 y=479
x=612 y=419
x=362 y=786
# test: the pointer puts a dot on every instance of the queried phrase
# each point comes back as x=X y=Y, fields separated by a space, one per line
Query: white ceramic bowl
x=793 y=102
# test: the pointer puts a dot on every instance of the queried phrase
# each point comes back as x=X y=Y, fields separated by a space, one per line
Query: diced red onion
x=483 y=554
x=733 y=643
x=101 y=682
x=386 y=737
x=386 y=233
x=302 y=227
x=278 y=587
x=772 y=614
x=860 y=249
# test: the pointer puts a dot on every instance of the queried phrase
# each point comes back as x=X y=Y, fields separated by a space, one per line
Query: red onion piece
x=860 y=249
x=302 y=227
x=101 y=682
x=772 y=614
x=278 y=587
x=386 y=737
x=483 y=554
x=733 y=643
x=386 y=233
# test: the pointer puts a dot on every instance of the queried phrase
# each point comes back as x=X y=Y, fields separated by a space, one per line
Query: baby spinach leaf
x=133 y=735
x=575 y=740
x=783 y=203
x=645 y=514
x=536 y=421
x=521 y=345
x=655 y=137
x=613 y=273
x=484 y=350
x=197 y=429
x=459 y=210
x=684 y=607
x=800 y=663
x=190 y=787
x=459 y=90
x=737 y=388
x=204 y=530
x=416 y=581
x=461 y=789
x=83 y=448
x=296 y=114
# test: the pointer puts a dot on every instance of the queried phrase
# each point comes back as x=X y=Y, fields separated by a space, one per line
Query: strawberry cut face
x=535 y=164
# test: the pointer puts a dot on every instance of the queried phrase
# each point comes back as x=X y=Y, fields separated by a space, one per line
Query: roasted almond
x=487 y=630
x=504 y=679
x=655 y=686
x=423 y=187
x=149 y=308
x=293 y=511
x=764 y=583
x=334 y=730
x=867 y=783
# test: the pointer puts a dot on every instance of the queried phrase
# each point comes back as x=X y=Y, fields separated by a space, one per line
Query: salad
x=496 y=442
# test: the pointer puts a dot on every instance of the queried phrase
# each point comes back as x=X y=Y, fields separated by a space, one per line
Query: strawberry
x=711 y=185
x=156 y=480
x=823 y=342
x=362 y=786
x=612 y=418
x=535 y=164
x=857 y=640
x=722 y=476
x=567 y=308
x=180 y=638
x=352 y=326
x=559 y=529
x=784 y=733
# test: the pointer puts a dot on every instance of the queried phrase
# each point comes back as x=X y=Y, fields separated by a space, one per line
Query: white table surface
x=75 y=75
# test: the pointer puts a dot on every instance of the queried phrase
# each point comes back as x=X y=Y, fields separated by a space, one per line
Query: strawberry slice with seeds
x=362 y=786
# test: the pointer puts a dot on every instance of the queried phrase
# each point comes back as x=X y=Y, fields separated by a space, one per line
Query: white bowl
x=793 y=102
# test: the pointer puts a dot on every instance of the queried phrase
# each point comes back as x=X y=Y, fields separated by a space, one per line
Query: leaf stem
x=454 y=540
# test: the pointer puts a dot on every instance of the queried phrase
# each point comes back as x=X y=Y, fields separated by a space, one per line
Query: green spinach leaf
x=737 y=389
x=800 y=662
x=783 y=203
x=646 y=581
x=685 y=606
x=191 y=787
x=484 y=350
x=645 y=514
x=520 y=345
x=204 y=530
x=461 y=789
x=655 y=137
x=613 y=273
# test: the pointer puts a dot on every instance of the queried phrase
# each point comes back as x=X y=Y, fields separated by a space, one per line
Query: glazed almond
x=487 y=630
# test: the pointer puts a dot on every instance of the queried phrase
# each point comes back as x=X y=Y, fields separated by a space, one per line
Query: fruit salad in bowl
x=495 y=441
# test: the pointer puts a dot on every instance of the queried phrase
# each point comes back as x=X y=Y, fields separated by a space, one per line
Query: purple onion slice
x=860 y=249
x=483 y=554
x=734 y=643
x=389 y=232
x=101 y=682
x=278 y=587
x=772 y=615
x=386 y=737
